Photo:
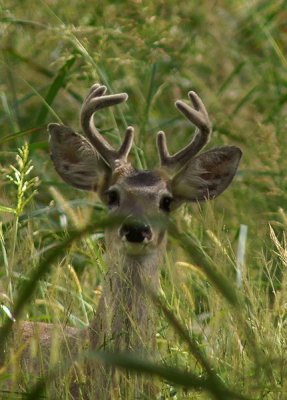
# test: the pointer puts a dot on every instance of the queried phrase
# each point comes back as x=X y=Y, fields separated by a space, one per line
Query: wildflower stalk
x=26 y=189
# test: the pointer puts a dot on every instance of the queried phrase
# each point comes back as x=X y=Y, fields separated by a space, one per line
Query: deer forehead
x=143 y=182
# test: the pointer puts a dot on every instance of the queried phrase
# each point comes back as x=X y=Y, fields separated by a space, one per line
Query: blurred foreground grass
x=234 y=55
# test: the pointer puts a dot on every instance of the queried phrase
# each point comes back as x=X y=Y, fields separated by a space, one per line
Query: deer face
x=141 y=197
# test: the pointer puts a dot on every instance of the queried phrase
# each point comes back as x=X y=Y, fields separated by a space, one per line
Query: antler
x=95 y=100
x=199 y=117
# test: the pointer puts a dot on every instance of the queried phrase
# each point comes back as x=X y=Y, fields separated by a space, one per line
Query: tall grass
x=215 y=338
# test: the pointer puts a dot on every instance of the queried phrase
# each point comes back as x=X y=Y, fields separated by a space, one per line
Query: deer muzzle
x=135 y=232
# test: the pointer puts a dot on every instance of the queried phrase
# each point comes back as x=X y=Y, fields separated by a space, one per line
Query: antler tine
x=199 y=117
x=126 y=144
x=96 y=100
x=162 y=148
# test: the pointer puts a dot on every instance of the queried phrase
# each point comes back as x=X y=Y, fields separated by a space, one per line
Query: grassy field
x=233 y=53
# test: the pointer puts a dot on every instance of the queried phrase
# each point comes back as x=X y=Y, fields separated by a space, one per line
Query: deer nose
x=135 y=232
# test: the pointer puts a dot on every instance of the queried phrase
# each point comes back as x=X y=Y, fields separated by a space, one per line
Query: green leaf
x=58 y=83
x=7 y=210
x=188 y=380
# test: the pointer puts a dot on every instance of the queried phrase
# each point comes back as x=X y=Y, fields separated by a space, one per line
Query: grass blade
x=58 y=83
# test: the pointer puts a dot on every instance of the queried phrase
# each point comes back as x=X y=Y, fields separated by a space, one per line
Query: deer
x=126 y=318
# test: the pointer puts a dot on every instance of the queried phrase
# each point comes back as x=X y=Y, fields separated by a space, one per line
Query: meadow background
x=233 y=53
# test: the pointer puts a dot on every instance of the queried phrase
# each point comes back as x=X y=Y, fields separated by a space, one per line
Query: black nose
x=136 y=232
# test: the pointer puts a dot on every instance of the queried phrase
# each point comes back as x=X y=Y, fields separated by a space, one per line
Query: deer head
x=92 y=164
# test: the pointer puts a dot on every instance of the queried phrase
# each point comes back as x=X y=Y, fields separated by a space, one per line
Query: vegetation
x=217 y=333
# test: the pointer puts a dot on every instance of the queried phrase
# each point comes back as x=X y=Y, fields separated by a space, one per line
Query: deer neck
x=125 y=319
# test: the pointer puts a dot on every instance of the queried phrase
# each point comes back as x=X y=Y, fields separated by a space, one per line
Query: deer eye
x=113 y=198
x=165 y=203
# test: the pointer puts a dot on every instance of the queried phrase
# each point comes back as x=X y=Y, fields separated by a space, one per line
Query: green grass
x=233 y=53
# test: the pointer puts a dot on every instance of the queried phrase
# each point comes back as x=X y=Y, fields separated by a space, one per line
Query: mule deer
x=125 y=318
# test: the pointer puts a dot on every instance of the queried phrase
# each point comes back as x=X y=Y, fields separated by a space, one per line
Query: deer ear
x=207 y=175
x=76 y=160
